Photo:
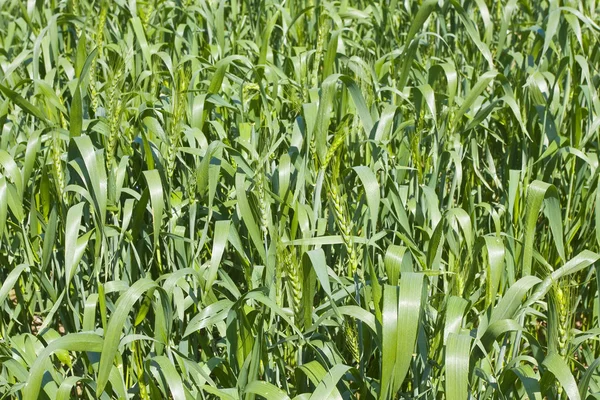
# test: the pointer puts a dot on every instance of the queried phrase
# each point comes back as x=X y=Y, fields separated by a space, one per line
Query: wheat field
x=299 y=199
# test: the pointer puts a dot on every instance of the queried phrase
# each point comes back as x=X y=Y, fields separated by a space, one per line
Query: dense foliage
x=307 y=199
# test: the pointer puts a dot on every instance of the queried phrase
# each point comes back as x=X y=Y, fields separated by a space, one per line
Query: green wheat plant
x=302 y=200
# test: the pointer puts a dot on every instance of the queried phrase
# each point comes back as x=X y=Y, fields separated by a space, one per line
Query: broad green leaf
x=369 y=181
x=157 y=202
x=393 y=263
x=66 y=386
x=470 y=28
x=583 y=260
x=457 y=365
x=587 y=376
x=419 y=20
x=512 y=299
x=330 y=54
x=494 y=249
x=24 y=104
x=171 y=376
x=455 y=313
x=318 y=262
x=328 y=90
x=266 y=390
x=136 y=23
x=429 y=96
x=401 y=319
x=114 y=329
x=10 y=281
x=409 y=312
x=557 y=366
x=327 y=386
x=247 y=216
x=49 y=238
x=74 y=245
x=31 y=154
x=539 y=192
x=76 y=114
x=70 y=342
x=94 y=174
x=530 y=380
x=12 y=171
x=219 y=243
x=208 y=316
x=475 y=91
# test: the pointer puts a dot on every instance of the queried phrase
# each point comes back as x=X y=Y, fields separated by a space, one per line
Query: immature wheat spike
x=100 y=28
x=263 y=206
x=562 y=301
x=278 y=286
x=345 y=227
x=318 y=54
x=293 y=273
x=313 y=150
x=147 y=13
x=93 y=90
x=338 y=140
x=63 y=121
x=304 y=78
x=139 y=361
x=192 y=183
x=351 y=338
x=342 y=220
x=486 y=281
x=59 y=175
x=338 y=211
x=290 y=355
x=115 y=107
x=99 y=38
x=129 y=136
x=249 y=89
x=154 y=82
x=354 y=128
x=77 y=28
x=295 y=98
x=457 y=267
x=366 y=87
